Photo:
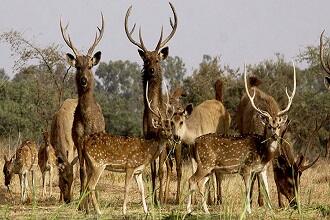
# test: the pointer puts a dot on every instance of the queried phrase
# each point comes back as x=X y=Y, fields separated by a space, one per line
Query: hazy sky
x=240 y=31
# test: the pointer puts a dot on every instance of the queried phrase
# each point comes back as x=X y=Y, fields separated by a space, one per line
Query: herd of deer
x=79 y=124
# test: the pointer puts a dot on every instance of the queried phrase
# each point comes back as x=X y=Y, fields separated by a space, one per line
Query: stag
x=288 y=170
x=23 y=163
x=46 y=162
x=88 y=117
x=247 y=155
x=62 y=142
x=129 y=155
x=248 y=122
x=325 y=65
x=208 y=117
x=152 y=73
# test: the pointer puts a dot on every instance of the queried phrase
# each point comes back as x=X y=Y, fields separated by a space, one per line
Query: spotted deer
x=325 y=65
x=24 y=163
x=88 y=117
x=208 y=117
x=47 y=163
x=65 y=150
x=152 y=73
x=129 y=155
x=248 y=122
x=247 y=155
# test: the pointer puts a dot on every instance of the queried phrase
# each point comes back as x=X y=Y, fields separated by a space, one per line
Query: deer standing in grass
x=247 y=155
x=208 y=117
x=325 y=65
x=65 y=150
x=129 y=155
x=46 y=162
x=288 y=170
x=88 y=117
x=284 y=163
x=152 y=74
x=24 y=163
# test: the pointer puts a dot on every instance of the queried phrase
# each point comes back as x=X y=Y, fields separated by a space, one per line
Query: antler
x=67 y=39
x=161 y=44
x=252 y=98
x=129 y=33
x=157 y=112
x=325 y=65
x=168 y=105
x=97 y=38
x=290 y=98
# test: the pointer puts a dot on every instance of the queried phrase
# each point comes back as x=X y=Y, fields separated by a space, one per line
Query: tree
x=174 y=71
x=120 y=93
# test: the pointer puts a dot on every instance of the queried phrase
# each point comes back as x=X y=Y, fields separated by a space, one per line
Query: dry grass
x=314 y=200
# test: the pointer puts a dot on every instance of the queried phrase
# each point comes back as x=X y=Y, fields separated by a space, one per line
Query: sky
x=239 y=31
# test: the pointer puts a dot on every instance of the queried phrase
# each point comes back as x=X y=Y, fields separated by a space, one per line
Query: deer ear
x=163 y=53
x=188 y=110
x=263 y=119
x=327 y=80
x=96 y=58
x=74 y=161
x=71 y=59
x=142 y=54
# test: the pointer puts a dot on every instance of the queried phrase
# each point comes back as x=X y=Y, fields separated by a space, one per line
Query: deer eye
x=181 y=123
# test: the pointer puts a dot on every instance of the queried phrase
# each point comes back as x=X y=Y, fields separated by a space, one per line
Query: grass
x=314 y=200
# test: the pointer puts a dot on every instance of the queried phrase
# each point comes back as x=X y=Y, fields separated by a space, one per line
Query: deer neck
x=154 y=94
x=270 y=149
x=160 y=142
x=189 y=135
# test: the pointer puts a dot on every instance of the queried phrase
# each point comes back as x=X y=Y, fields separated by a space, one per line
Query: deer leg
x=82 y=171
x=139 y=181
x=201 y=186
x=193 y=180
x=194 y=169
x=263 y=177
x=253 y=179
x=153 y=180
x=21 y=180
x=128 y=179
x=219 y=189
x=178 y=164
x=260 y=195
x=161 y=171
x=50 y=182
x=279 y=197
x=43 y=184
x=168 y=178
x=93 y=176
x=248 y=187
x=26 y=186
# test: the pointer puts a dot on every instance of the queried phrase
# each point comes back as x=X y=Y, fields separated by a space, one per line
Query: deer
x=152 y=73
x=46 y=162
x=65 y=150
x=210 y=116
x=247 y=155
x=88 y=117
x=248 y=122
x=129 y=155
x=288 y=169
x=23 y=163
x=325 y=65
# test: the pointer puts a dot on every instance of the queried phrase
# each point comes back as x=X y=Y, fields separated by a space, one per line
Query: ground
x=314 y=199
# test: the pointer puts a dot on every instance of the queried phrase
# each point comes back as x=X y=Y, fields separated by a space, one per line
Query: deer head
x=65 y=169
x=151 y=59
x=83 y=63
x=7 y=170
x=289 y=170
x=273 y=124
x=163 y=124
x=325 y=65
x=178 y=122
